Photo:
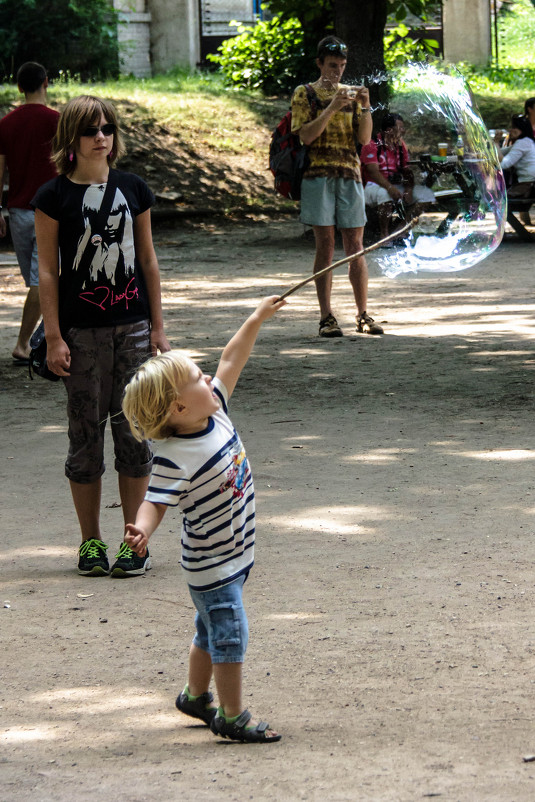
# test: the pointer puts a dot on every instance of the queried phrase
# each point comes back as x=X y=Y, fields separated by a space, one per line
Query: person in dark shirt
x=25 y=148
x=102 y=312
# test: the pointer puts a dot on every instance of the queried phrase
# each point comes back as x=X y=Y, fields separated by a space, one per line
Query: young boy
x=201 y=467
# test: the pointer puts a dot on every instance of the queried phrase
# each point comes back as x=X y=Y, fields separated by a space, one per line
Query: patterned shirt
x=208 y=476
x=389 y=160
x=334 y=153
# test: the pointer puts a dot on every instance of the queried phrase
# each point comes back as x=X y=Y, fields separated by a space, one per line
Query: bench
x=519 y=205
x=450 y=200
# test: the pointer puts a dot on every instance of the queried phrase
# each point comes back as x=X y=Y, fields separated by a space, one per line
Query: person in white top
x=520 y=154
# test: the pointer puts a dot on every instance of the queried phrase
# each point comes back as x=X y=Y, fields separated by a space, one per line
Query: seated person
x=529 y=112
x=387 y=177
x=520 y=154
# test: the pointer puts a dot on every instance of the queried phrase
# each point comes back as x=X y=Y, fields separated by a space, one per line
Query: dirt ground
x=391 y=605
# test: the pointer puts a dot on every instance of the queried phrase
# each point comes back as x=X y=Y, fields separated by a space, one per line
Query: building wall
x=174 y=34
x=156 y=35
x=466 y=27
x=133 y=34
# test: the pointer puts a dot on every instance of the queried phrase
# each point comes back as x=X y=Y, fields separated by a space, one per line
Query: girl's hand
x=158 y=342
x=58 y=357
x=137 y=539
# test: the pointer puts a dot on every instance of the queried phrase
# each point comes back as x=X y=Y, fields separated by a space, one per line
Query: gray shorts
x=102 y=363
x=22 y=228
x=332 y=202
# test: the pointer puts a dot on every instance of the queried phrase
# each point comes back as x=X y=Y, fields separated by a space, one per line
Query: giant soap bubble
x=468 y=222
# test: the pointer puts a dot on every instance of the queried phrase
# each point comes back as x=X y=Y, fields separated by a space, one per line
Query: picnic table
x=515 y=205
x=458 y=199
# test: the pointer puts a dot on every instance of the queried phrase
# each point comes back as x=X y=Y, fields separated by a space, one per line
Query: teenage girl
x=100 y=295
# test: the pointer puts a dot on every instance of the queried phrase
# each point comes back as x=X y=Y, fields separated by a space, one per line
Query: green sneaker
x=92 y=559
x=129 y=564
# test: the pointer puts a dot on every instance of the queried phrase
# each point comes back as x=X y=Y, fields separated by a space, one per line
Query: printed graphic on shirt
x=114 y=253
x=236 y=474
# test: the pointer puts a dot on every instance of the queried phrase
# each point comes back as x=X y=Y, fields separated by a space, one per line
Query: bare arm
x=344 y=100
x=46 y=230
x=374 y=174
x=237 y=351
x=148 y=518
x=365 y=121
x=312 y=130
x=148 y=261
x=3 y=227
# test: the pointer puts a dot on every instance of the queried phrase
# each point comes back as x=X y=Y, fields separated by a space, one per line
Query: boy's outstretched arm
x=148 y=518
x=237 y=351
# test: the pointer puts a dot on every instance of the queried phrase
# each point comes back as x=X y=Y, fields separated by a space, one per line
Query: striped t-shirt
x=207 y=475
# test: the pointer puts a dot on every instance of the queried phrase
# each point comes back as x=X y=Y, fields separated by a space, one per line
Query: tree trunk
x=361 y=25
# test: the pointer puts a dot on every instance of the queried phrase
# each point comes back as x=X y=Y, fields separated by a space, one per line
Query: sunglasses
x=93 y=130
x=334 y=46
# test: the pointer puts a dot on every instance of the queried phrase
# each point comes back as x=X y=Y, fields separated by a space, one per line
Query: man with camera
x=332 y=195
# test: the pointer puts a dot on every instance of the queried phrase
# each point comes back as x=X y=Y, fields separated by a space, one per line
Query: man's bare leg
x=30 y=317
x=324 y=256
x=352 y=239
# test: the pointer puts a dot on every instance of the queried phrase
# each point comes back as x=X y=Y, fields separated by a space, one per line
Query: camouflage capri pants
x=102 y=362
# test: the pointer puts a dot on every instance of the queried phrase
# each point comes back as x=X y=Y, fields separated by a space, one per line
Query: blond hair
x=150 y=395
x=80 y=113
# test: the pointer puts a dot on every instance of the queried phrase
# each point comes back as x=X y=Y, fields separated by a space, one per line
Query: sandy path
x=391 y=606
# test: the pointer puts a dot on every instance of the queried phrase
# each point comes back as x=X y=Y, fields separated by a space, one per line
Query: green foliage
x=516 y=25
x=316 y=18
x=268 y=56
x=501 y=80
x=400 y=47
x=78 y=37
x=419 y=8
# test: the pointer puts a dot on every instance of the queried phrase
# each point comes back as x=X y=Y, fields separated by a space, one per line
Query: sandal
x=329 y=327
x=367 y=325
x=197 y=707
x=237 y=731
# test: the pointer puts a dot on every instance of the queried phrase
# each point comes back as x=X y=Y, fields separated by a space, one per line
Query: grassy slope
x=198 y=144
x=202 y=146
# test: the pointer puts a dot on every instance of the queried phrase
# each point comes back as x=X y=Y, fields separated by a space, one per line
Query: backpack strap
x=380 y=148
x=311 y=97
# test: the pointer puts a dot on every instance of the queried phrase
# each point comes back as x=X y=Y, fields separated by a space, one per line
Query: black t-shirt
x=110 y=290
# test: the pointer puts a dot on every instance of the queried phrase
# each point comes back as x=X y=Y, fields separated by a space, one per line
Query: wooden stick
x=347 y=259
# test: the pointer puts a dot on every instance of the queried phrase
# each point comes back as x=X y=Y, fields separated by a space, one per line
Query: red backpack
x=288 y=157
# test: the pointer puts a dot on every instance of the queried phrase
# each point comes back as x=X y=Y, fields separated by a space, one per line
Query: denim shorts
x=221 y=622
x=22 y=228
x=103 y=360
x=332 y=202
